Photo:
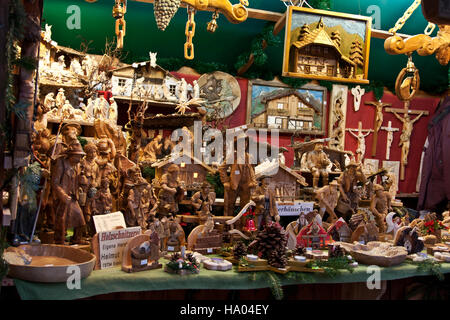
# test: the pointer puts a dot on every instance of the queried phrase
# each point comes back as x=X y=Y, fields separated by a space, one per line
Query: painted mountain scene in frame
x=289 y=110
x=326 y=45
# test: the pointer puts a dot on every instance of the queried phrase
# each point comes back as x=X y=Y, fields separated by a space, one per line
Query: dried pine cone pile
x=239 y=250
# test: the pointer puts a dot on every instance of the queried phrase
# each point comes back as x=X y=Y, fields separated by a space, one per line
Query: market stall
x=212 y=145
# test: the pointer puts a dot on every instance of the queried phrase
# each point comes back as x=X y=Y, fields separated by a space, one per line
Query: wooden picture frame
x=326 y=45
x=290 y=118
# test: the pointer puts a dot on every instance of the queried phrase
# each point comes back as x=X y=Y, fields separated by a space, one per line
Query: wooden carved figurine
x=102 y=202
x=360 y=135
x=390 y=138
x=171 y=191
x=328 y=199
x=380 y=205
x=202 y=201
x=317 y=163
x=151 y=150
x=378 y=121
x=90 y=180
x=238 y=179
x=266 y=208
x=405 y=137
x=65 y=184
x=137 y=202
x=349 y=198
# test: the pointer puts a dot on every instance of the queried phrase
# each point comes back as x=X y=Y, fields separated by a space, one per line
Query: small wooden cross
x=405 y=137
x=390 y=137
x=361 y=135
x=377 y=122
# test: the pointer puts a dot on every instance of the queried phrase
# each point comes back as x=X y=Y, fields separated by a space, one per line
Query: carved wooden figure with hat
x=65 y=183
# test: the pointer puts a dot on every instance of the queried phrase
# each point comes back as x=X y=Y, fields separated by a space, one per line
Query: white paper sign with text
x=112 y=243
x=294 y=208
x=108 y=222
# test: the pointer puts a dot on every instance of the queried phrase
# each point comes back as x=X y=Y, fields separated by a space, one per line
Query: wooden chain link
x=400 y=22
x=190 y=32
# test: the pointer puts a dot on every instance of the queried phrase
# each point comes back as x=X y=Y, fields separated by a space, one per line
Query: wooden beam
x=280 y=19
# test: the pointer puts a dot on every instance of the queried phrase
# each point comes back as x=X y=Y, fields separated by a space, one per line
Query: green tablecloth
x=114 y=280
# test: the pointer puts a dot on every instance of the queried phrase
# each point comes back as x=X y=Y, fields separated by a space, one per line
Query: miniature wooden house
x=143 y=79
x=286 y=182
x=316 y=53
x=288 y=109
x=192 y=172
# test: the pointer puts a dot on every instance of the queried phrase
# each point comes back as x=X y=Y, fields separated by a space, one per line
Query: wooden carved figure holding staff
x=405 y=137
x=65 y=183
x=317 y=162
x=238 y=178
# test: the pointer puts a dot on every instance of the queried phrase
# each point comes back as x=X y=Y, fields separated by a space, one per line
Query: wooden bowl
x=364 y=254
x=50 y=262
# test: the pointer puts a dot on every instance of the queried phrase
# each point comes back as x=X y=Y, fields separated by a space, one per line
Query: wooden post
x=377 y=122
x=407 y=128
x=4 y=23
x=30 y=46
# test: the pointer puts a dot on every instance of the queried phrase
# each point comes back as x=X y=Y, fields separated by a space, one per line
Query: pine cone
x=300 y=250
x=271 y=242
x=239 y=250
x=164 y=11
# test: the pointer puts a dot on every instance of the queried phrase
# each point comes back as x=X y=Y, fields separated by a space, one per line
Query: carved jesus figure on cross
x=408 y=125
x=360 y=134
x=405 y=137
x=390 y=137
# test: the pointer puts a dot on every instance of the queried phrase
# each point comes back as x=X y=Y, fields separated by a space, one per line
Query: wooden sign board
x=294 y=208
x=108 y=246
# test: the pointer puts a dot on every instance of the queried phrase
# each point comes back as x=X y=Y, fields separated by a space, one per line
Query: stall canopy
x=230 y=40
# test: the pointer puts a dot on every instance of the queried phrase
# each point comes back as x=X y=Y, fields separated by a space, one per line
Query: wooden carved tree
x=356 y=53
x=304 y=31
x=336 y=37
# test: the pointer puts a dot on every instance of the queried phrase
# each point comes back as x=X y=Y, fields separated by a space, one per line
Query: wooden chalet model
x=316 y=53
x=288 y=109
x=192 y=174
x=148 y=81
x=286 y=183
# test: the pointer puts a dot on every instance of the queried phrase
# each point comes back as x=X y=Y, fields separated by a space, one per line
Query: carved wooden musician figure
x=65 y=184
x=266 y=208
x=317 y=163
x=202 y=201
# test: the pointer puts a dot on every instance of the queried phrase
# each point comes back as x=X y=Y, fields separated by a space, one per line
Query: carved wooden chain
x=400 y=22
x=190 y=32
x=119 y=10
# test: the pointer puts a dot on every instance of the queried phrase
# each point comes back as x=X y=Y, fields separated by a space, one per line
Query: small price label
x=237 y=172
x=144 y=262
x=170 y=248
x=202 y=150
x=209 y=250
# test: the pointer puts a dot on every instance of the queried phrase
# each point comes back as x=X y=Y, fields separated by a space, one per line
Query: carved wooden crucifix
x=377 y=122
x=408 y=125
x=390 y=137
x=361 y=135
